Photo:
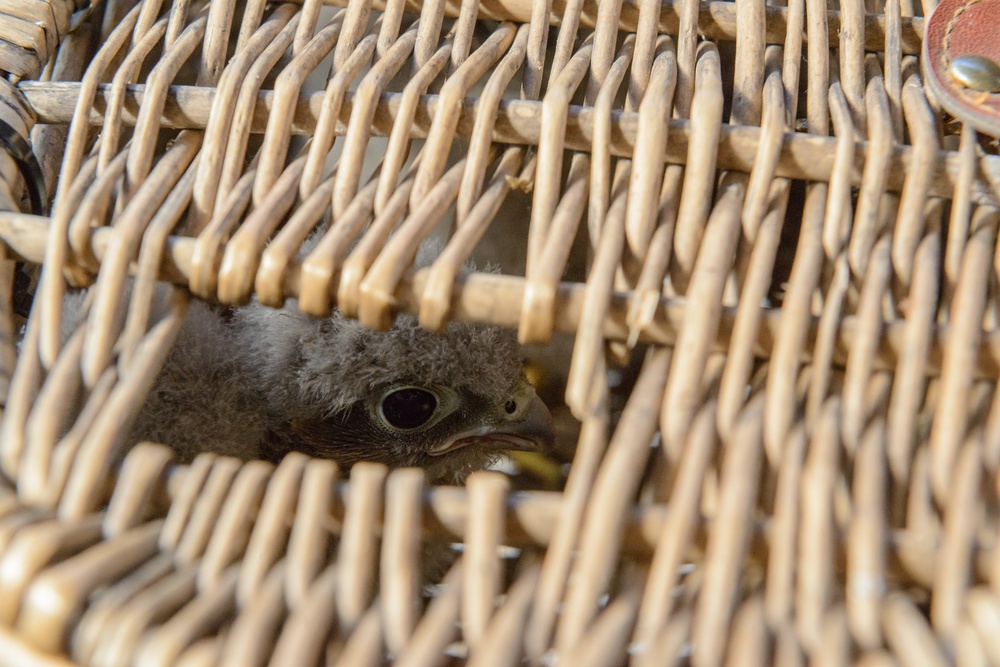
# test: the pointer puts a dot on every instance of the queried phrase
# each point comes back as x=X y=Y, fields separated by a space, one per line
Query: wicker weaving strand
x=754 y=266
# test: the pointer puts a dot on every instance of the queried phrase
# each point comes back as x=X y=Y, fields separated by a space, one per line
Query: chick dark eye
x=409 y=407
x=509 y=407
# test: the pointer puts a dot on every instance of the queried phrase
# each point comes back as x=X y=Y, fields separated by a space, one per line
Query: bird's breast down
x=263 y=382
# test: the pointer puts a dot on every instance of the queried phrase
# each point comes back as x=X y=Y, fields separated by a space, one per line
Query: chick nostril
x=510 y=407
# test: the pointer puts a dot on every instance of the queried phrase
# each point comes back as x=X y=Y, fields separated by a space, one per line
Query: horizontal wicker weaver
x=770 y=216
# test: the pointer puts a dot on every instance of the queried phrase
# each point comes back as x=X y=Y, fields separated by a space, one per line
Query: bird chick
x=263 y=382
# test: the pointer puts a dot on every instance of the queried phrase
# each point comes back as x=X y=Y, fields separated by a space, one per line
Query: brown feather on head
x=326 y=362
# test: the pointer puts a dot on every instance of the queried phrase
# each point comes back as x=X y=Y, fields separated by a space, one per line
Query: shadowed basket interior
x=754 y=209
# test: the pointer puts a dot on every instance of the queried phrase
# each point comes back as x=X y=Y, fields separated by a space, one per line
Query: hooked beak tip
x=533 y=432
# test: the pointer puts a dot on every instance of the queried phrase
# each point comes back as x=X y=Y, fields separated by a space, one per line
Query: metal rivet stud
x=976 y=72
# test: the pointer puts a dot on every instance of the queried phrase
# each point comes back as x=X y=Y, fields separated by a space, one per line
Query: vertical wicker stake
x=399 y=569
x=8 y=336
x=16 y=120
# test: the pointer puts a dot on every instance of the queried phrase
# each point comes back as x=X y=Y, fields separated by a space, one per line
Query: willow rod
x=803 y=156
x=496 y=299
x=530 y=519
x=716 y=20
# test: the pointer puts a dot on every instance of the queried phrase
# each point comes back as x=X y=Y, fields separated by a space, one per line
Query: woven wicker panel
x=775 y=257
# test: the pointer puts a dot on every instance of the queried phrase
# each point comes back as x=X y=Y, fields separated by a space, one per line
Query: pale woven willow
x=825 y=485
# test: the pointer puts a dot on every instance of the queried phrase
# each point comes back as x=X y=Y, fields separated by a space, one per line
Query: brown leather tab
x=959 y=28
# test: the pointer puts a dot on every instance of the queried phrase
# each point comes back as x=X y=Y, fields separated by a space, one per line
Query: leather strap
x=960 y=28
x=18 y=148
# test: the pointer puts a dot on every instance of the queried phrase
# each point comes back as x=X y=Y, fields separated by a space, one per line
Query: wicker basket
x=806 y=467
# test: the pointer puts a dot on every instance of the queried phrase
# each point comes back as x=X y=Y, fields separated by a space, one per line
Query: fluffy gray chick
x=264 y=382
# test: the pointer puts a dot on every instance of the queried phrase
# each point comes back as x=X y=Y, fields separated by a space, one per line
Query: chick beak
x=531 y=431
